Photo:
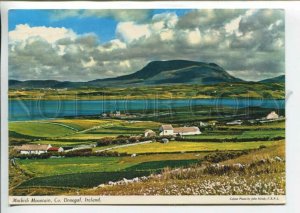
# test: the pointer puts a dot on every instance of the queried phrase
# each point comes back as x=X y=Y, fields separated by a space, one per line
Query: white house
x=166 y=130
x=272 y=115
x=193 y=130
x=37 y=149
x=169 y=130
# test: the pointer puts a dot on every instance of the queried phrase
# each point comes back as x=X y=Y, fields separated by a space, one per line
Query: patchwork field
x=53 y=176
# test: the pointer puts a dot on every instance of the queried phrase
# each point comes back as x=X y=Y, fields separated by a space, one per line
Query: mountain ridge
x=154 y=73
x=277 y=79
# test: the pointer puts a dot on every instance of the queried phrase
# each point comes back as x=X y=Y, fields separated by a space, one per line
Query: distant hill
x=154 y=73
x=278 y=79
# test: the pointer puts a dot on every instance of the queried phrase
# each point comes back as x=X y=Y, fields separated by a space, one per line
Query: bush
x=262 y=147
x=222 y=156
x=32 y=156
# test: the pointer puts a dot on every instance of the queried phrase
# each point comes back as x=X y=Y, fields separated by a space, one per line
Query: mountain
x=154 y=73
x=278 y=79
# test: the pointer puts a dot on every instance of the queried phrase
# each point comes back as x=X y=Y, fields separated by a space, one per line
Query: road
x=125 y=145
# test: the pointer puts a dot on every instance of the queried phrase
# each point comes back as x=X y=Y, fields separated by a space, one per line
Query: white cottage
x=272 y=115
x=37 y=149
x=166 y=130
x=169 y=130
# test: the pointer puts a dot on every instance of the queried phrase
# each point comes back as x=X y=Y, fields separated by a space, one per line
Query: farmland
x=183 y=146
x=67 y=174
x=261 y=174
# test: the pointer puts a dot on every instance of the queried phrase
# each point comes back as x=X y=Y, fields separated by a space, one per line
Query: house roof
x=32 y=147
x=53 y=149
x=167 y=127
x=186 y=129
x=149 y=130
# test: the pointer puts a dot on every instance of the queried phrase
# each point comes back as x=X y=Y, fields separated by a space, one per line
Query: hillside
x=278 y=79
x=154 y=73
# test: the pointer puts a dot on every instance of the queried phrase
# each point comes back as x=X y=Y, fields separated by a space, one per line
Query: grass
x=191 y=147
x=40 y=129
x=240 y=134
x=59 y=143
x=90 y=179
x=261 y=174
x=58 y=166
x=82 y=180
x=82 y=124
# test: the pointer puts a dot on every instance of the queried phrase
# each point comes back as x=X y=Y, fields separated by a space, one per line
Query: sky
x=83 y=45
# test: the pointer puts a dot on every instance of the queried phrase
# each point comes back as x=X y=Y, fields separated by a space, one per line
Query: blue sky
x=83 y=45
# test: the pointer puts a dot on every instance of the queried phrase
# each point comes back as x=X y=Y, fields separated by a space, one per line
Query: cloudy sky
x=82 y=45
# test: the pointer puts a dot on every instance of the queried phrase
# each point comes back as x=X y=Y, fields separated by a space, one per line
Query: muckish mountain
x=278 y=79
x=174 y=72
x=154 y=73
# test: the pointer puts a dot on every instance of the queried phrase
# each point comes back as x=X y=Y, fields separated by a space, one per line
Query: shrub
x=222 y=156
x=262 y=147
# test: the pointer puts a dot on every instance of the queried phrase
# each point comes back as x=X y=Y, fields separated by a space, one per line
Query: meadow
x=260 y=172
x=182 y=146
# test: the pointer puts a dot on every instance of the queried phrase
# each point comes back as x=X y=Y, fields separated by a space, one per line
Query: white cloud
x=130 y=31
x=233 y=26
x=50 y=34
x=193 y=36
x=90 y=63
x=167 y=35
x=114 y=44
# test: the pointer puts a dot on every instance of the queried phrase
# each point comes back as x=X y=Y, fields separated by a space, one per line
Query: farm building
x=33 y=149
x=166 y=130
x=55 y=149
x=272 y=115
x=149 y=133
x=169 y=130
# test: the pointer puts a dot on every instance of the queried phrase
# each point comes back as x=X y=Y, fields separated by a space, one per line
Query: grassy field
x=261 y=174
x=59 y=143
x=82 y=124
x=191 y=147
x=67 y=132
x=240 y=134
x=58 y=166
x=40 y=129
x=54 y=176
x=92 y=171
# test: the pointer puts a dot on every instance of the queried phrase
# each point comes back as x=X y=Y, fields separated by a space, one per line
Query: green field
x=40 y=129
x=240 y=134
x=90 y=179
x=191 y=147
x=58 y=166
x=84 y=172
x=92 y=171
x=69 y=132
